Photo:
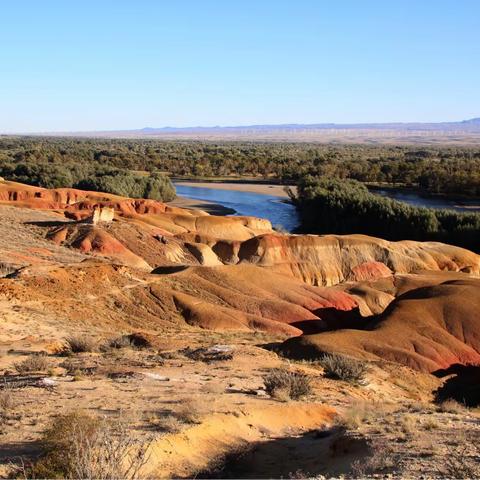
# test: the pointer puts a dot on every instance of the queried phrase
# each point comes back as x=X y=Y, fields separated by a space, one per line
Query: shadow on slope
x=463 y=385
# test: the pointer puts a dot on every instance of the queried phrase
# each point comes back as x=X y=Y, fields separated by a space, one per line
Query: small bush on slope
x=80 y=344
x=343 y=368
x=34 y=363
x=285 y=384
x=78 y=445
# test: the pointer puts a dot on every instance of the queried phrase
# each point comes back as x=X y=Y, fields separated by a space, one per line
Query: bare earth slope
x=193 y=283
x=427 y=328
x=233 y=272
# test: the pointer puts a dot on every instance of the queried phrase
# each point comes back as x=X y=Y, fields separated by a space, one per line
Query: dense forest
x=45 y=163
x=52 y=162
x=330 y=205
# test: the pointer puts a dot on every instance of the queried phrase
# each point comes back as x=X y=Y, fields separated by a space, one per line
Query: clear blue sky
x=105 y=65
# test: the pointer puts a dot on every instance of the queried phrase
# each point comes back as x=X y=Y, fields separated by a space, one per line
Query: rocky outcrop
x=331 y=259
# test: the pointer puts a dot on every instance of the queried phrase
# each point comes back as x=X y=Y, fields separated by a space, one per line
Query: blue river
x=283 y=214
x=275 y=209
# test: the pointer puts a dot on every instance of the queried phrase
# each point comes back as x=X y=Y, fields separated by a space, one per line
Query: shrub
x=121 y=342
x=138 y=340
x=381 y=462
x=7 y=402
x=343 y=368
x=34 y=363
x=285 y=384
x=78 y=445
x=359 y=413
x=80 y=344
x=451 y=406
x=193 y=409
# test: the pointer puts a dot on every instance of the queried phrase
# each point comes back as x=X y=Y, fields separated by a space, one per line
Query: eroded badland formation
x=217 y=303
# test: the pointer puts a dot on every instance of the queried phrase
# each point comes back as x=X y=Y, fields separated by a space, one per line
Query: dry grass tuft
x=80 y=344
x=34 y=363
x=121 y=342
x=408 y=424
x=78 y=445
x=451 y=406
x=360 y=413
x=7 y=403
x=343 y=368
x=284 y=384
x=194 y=409
x=430 y=424
x=381 y=462
x=164 y=423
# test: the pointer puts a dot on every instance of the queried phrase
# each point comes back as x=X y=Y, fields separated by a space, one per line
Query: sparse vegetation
x=343 y=368
x=357 y=414
x=80 y=344
x=451 y=406
x=123 y=341
x=33 y=363
x=78 y=445
x=7 y=403
x=381 y=461
x=287 y=384
x=194 y=409
x=463 y=460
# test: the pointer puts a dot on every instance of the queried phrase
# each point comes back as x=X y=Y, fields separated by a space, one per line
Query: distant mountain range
x=465 y=125
x=462 y=132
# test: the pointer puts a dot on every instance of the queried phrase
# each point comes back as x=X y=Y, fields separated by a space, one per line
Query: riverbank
x=422 y=198
x=209 y=207
x=248 y=199
x=261 y=188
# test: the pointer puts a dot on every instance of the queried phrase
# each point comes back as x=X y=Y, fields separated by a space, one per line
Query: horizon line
x=253 y=125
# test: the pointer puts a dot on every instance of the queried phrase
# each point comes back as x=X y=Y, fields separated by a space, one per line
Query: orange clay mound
x=428 y=328
x=91 y=239
x=249 y=297
x=241 y=298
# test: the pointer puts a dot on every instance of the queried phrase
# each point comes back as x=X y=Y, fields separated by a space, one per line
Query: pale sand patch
x=275 y=190
x=205 y=205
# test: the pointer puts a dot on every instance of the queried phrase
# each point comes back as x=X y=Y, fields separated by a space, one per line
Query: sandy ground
x=276 y=190
x=209 y=207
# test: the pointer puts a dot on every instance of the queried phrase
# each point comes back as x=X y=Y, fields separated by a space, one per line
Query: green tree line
x=332 y=205
x=86 y=175
x=440 y=169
